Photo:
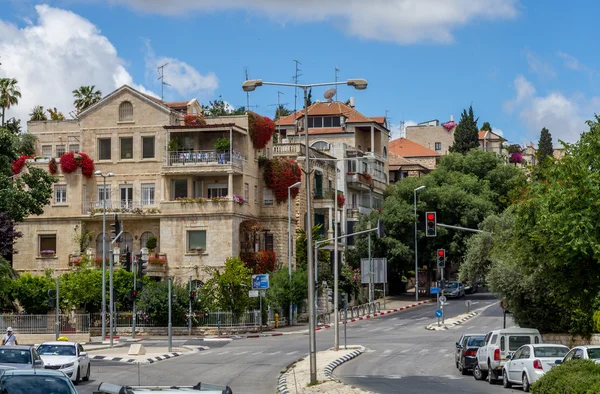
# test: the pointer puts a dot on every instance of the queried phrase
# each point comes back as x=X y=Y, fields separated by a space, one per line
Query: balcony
x=128 y=207
x=205 y=206
x=361 y=181
x=203 y=161
x=353 y=212
x=323 y=198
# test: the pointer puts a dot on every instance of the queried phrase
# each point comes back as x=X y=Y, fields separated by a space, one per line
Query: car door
x=513 y=365
x=482 y=352
x=526 y=363
x=458 y=350
x=83 y=360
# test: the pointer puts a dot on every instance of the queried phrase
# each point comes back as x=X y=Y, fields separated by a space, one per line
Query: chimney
x=352 y=102
x=451 y=118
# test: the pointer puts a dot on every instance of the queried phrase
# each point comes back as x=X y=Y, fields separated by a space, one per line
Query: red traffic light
x=441 y=252
x=430 y=216
x=134 y=293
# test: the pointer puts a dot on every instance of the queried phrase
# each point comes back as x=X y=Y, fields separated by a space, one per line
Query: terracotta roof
x=206 y=126
x=407 y=148
x=325 y=130
x=379 y=119
x=324 y=109
x=156 y=100
x=491 y=135
x=177 y=104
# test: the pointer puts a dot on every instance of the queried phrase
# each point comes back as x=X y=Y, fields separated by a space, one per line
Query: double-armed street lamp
x=359 y=84
x=109 y=175
x=294 y=186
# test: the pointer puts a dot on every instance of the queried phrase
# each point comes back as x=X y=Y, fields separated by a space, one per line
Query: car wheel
x=478 y=374
x=491 y=375
x=525 y=384
x=77 y=378
x=87 y=375
x=505 y=381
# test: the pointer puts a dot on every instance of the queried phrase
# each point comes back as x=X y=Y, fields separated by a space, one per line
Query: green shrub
x=596 y=321
x=573 y=377
x=151 y=243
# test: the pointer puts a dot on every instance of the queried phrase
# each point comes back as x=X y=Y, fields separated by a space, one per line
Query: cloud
x=498 y=131
x=564 y=116
x=180 y=76
x=401 y=21
x=539 y=66
x=571 y=61
x=56 y=54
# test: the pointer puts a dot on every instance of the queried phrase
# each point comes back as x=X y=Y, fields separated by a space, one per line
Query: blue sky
x=522 y=65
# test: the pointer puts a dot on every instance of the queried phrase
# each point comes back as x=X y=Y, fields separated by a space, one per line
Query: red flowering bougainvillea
x=194 y=120
x=341 y=200
x=52 y=166
x=280 y=174
x=259 y=262
x=19 y=164
x=261 y=130
x=87 y=165
x=68 y=163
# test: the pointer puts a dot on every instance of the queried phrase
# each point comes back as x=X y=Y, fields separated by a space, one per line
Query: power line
x=161 y=70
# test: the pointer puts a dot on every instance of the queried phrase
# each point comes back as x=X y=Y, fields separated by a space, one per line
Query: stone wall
x=36 y=339
x=427 y=136
x=571 y=340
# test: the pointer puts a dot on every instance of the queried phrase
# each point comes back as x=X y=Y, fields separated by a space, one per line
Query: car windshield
x=14 y=356
x=594 y=353
x=451 y=285
x=56 y=350
x=550 y=351
x=475 y=341
x=32 y=384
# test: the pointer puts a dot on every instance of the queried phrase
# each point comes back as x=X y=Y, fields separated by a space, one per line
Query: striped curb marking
x=282 y=386
x=149 y=360
x=433 y=326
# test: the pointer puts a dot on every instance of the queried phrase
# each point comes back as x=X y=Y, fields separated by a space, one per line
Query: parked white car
x=499 y=345
x=585 y=352
x=531 y=362
x=67 y=357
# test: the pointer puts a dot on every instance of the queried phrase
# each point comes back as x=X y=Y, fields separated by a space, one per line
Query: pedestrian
x=9 y=339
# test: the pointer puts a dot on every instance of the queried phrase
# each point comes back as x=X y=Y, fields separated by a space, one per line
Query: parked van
x=498 y=346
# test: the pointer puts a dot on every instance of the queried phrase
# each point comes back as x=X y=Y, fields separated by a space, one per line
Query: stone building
x=170 y=182
x=415 y=153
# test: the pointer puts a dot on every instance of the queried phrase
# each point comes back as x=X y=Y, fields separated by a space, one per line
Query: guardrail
x=199 y=319
x=361 y=310
x=45 y=324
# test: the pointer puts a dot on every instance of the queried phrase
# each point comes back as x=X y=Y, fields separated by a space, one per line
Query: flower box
x=47 y=253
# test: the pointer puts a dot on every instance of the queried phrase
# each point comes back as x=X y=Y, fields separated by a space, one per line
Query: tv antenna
x=337 y=70
x=161 y=70
x=247 y=93
x=296 y=88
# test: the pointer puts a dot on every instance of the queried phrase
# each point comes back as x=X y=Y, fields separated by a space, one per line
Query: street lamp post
x=416 y=261
x=295 y=185
x=109 y=175
x=360 y=84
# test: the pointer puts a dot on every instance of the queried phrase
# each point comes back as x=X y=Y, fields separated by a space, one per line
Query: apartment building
x=359 y=145
x=203 y=204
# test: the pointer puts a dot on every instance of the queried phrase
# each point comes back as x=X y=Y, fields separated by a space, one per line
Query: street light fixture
x=109 y=175
x=360 y=84
x=416 y=261
x=294 y=186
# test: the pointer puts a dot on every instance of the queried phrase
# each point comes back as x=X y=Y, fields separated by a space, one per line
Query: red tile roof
x=324 y=109
x=177 y=104
x=206 y=126
x=491 y=135
x=407 y=148
x=325 y=130
x=379 y=119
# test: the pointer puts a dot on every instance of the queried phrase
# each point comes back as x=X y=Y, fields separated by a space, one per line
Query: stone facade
x=436 y=138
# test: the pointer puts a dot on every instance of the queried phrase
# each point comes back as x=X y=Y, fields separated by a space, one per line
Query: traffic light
x=431 y=224
x=116 y=229
x=441 y=258
x=380 y=230
x=142 y=268
x=51 y=301
x=128 y=262
x=192 y=295
x=132 y=295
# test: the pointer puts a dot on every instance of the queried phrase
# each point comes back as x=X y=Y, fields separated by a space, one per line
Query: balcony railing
x=324 y=194
x=203 y=157
x=288 y=149
x=121 y=206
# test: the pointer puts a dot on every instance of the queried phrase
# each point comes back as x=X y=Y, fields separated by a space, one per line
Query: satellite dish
x=329 y=94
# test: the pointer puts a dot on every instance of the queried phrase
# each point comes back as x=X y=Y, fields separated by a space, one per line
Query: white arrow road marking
x=452 y=377
x=406 y=351
x=424 y=351
x=393 y=377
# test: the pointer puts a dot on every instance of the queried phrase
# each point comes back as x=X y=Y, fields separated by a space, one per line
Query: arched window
x=144 y=238
x=99 y=246
x=320 y=145
x=125 y=112
x=126 y=241
x=384 y=152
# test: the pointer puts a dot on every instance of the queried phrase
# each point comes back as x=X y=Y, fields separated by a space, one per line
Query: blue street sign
x=438 y=313
x=434 y=290
x=260 y=281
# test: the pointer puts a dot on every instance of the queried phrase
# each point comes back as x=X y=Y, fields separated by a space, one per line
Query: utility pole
x=57 y=311
x=161 y=70
x=247 y=95
x=190 y=310
x=135 y=269
x=296 y=88
x=170 y=324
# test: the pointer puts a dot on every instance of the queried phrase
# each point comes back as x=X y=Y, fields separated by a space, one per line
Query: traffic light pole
x=111 y=297
x=461 y=228
x=190 y=311
x=170 y=325
x=57 y=311
x=134 y=268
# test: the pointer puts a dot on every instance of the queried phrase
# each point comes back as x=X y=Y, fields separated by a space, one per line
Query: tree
x=153 y=300
x=301 y=241
x=221 y=108
x=55 y=114
x=228 y=290
x=9 y=95
x=37 y=114
x=13 y=125
x=545 y=148
x=282 y=111
x=30 y=292
x=281 y=292
x=486 y=127
x=25 y=145
x=86 y=96
x=8 y=235
x=466 y=135
x=309 y=98
x=7 y=275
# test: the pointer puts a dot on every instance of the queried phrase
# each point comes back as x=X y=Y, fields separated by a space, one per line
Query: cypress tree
x=466 y=135
x=544 y=146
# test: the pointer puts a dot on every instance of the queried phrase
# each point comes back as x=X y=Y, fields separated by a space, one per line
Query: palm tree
x=55 y=114
x=9 y=94
x=37 y=114
x=86 y=96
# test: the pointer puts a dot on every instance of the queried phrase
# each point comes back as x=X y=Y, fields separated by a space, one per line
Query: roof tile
x=408 y=148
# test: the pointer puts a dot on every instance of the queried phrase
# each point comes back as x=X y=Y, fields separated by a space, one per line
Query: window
x=323 y=121
x=196 y=239
x=516 y=341
x=320 y=145
x=46 y=151
x=126 y=196
x=384 y=152
x=147 y=147
x=60 y=194
x=74 y=148
x=255 y=193
x=60 y=150
x=144 y=238
x=179 y=188
x=438 y=146
x=268 y=241
x=126 y=148
x=104 y=194
x=502 y=344
x=47 y=244
x=246 y=192
x=104 y=149
x=148 y=193
x=125 y=112
x=267 y=196
x=526 y=353
x=494 y=339
x=217 y=190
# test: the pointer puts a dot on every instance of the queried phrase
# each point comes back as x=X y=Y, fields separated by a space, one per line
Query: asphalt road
x=396 y=346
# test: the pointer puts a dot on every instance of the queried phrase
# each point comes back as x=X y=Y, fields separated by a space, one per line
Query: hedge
x=572 y=377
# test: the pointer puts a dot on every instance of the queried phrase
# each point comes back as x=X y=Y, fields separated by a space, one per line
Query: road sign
x=438 y=313
x=442 y=298
x=503 y=305
x=434 y=290
x=379 y=270
x=260 y=281
x=252 y=293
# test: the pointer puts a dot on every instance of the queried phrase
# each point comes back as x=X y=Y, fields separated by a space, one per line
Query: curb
x=336 y=363
x=434 y=327
x=282 y=384
x=150 y=360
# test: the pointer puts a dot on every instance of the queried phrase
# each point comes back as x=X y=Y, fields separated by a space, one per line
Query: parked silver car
x=35 y=381
x=454 y=289
x=19 y=357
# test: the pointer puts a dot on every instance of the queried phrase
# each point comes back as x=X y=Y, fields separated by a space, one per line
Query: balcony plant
x=239 y=199
x=53 y=166
x=279 y=174
x=222 y=145
x=68 y=163
x=194 y=120
x=151 y=243
x=157 y=260
x=19 y=164
x=173 y=145
x=261 y=129
x=341 y=200
x=86 y=164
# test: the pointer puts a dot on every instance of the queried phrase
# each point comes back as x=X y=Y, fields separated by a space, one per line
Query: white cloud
x=539 y=66
x=402 y=21
x=56 y=54
x=498 y=131
x=571 y=61
x=564 y=116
